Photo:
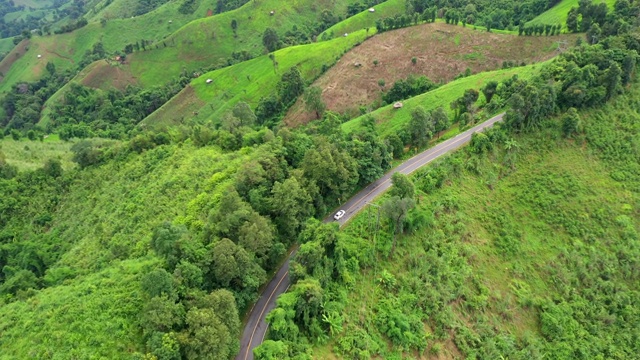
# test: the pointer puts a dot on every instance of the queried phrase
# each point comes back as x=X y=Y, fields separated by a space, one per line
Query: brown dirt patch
x=12 y=56
x=442 y=52
x=104 y=75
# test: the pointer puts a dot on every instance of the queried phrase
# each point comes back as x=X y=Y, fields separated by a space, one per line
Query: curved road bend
x=256 y=327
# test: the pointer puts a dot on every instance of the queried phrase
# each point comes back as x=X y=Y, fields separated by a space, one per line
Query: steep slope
x=248 y=81
x=517 y=252
x=442 y=52
x=558 y=13
x=66 y=50
x=210 y=42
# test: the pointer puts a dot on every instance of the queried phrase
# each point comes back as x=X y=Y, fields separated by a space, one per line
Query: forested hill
x=128 y=239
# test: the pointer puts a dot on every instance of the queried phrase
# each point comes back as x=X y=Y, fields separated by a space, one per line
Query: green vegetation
x=251 y=80
x=212 y=41
x=499 y=257
x=558 y=13
x=152 y=243
x=365 y=19
x=445 y=289
x=391 y=120
x=31 y=155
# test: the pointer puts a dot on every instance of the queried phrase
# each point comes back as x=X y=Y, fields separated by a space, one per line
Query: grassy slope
x=558 y=13
x=365 y=19
x=117 y=9
x=559 y=198
x=211 y=41
x=64 y=50
x=104 y=224
x=391 y=120
x=442 y=52
x=92 y=318
x=6 y=45
x=249 y=81
x=104 y=76
x=31 y=155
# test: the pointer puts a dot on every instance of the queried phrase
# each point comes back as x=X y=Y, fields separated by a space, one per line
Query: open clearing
x=442 y=51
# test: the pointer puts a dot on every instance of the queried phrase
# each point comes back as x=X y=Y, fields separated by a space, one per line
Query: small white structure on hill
x=397 y=105
x=372 y=10
x=209 y=81
x=346 y=34
x=39 y=56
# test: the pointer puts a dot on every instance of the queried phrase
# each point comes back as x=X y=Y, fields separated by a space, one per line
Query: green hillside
x=512 y=253
x=66 y=50
x=91 y=299
x=210 y=42
x=365 y=19
x=391 y=120
x=558 y=13
x=249 y=81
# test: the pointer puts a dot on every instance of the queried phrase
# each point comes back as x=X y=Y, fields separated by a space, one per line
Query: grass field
x=117 y=9
x=248 y=81
x=558 y=13
x=6 y=45
x=442 y=52
x=391 y=120
x=365 y=19
x=31 y=155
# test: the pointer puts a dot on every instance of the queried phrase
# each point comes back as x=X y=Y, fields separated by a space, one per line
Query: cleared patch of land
x=105 y=76
x=442 y=51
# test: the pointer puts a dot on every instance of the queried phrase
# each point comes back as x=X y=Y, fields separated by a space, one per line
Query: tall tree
x=270 y=40
x=291 y=86
x=313 y=101
x=396 y=210
x=402 y=186
x=420 y=127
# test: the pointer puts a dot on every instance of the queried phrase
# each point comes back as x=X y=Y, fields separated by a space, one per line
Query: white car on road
x=339 y=214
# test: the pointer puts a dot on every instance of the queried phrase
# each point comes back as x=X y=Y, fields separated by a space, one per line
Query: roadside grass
x=558 y=13
x=248 y=81
x=365 y=19
x=31 y=155
x=391 y=120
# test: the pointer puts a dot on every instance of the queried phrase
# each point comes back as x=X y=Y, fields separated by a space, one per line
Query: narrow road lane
x=256 y=327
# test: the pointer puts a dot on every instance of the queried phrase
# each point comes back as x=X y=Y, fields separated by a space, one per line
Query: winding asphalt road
x=256 y=327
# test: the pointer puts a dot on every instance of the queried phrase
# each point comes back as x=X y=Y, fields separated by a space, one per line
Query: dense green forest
x=156 y=242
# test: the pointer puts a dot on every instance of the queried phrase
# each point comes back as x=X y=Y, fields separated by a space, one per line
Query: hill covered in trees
x=139 y=222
